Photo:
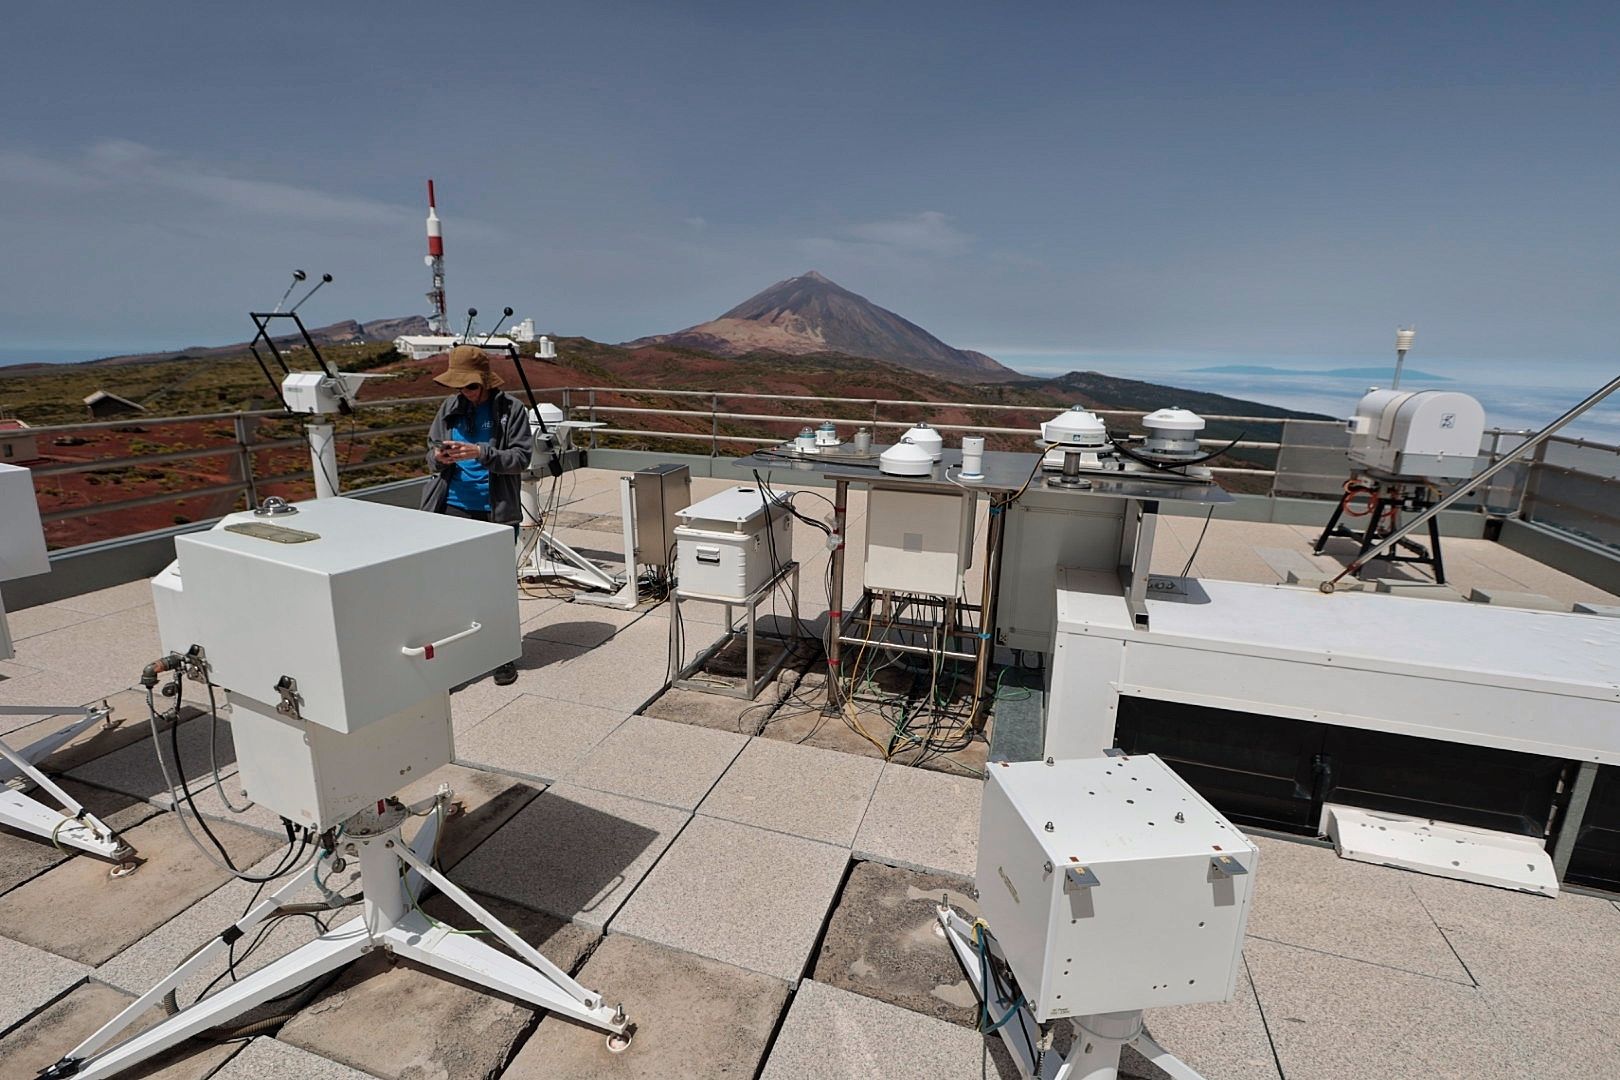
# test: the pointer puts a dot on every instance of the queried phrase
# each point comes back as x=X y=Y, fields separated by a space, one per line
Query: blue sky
x=1060 y=185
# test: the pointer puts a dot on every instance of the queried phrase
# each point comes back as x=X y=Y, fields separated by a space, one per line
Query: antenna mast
x=439 y=321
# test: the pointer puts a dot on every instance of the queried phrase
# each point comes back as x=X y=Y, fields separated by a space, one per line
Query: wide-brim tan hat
x=469 y=366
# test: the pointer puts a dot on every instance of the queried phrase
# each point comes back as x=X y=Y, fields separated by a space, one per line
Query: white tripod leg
x=531 y=977
x=71 y=824
x=89 y=1053
x=629 y=590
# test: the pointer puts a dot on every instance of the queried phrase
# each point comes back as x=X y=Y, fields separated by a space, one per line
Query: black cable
x=1185 y=570
x=287 y=861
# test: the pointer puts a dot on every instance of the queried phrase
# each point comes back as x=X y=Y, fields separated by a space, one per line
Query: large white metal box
x=731 y=543
x=318 y=777
x=918 y=541
x=1433 y=434
x=369 y=608
x=22 y=539
x=316 y=393
x=660 y=492
x=1111 y=885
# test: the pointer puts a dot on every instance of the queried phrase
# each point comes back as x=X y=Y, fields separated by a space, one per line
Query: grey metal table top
x=1004 y=472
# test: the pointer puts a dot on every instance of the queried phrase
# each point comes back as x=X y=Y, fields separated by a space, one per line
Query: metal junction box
x=1111 y=885
x=726 y=544
x=918 y=541
x=369 y=608
x=661 y=492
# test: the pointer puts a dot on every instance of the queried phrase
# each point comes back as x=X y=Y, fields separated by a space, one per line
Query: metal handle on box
x=426 y=651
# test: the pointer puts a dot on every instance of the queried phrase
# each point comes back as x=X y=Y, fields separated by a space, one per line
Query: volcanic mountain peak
x=812 y=314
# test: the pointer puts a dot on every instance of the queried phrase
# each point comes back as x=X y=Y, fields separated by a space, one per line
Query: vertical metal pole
x=593 y=416
x=987 y=605
x=323 y=458
x=714 y=425
x=835 y=601
x=1570 y=830
x=245 y=458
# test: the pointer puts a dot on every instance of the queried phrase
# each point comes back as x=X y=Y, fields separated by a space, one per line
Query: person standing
x=478 y=448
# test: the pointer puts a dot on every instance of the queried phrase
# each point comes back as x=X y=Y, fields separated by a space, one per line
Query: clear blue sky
x=1068 y=180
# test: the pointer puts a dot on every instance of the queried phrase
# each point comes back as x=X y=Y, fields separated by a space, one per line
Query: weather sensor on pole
x=1403 y=342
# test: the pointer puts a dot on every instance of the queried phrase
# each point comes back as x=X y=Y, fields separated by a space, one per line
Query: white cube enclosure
x=22 y=539
x=337 y=632
x=731 y=543
x=1111 y=885
x=381 y=608
x=1421 y=433
x=918 y=541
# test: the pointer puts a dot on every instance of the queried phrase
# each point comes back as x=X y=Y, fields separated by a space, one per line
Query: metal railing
x=1570 y=484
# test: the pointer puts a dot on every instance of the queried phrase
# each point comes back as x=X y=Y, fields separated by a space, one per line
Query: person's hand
x=441 y=454
x=458 y=451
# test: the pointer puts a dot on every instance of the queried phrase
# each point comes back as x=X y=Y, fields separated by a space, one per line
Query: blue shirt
x=469 y=482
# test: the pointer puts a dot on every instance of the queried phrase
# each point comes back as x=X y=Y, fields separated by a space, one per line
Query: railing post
x=593 y=416
x=245 y=456
x=1532 y=477
x=714 y=426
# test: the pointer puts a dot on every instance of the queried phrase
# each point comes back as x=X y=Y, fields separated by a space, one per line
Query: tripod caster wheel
x=1326 y=587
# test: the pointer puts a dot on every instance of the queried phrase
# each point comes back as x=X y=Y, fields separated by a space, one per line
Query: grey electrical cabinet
x=659 y=492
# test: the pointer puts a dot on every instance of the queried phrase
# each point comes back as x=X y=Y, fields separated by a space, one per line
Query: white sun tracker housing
x=1431 y=434
x=1075 y=427
x=1172 y=433
x=926 y=439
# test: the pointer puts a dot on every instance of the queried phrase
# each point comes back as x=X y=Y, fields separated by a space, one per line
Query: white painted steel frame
x=71 y=824
x=1530 y=681
x=387 y=922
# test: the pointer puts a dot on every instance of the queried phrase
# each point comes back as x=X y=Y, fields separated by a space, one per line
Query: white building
x=422 y=346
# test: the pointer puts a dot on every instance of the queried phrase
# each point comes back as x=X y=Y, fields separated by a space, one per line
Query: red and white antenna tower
x=439 y=322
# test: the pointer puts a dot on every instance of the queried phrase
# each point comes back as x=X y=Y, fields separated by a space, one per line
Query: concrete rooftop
x=752 y=880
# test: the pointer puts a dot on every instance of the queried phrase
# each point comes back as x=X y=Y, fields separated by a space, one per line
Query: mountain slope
x=810 y=314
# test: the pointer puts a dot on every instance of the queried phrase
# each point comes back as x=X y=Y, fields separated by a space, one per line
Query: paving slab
x=24 y=855
x=1332 y=1018
x=1561 y=952
x=738 y=894
x=715 y=711
x=923 y=821
x=659 y=761
x=536 y=737
x=42 y=619
x=135 y=769
x=572 y=852
x=77 y=911
x=883 y=941
x=803 y=790
x=694 y=1018
x=831 y=1033
x=476 y=701
x=45 y=687
x=115 y=598
x=623 y=676
x=397 y=1019
x=106 y=654
x=586 y=625
x=166 y=947
x=1218 y=1039
x=33 y=977
x=63 y=1025
x=128 y=723
x=271 y=1059
x=1306 y=895
x=483 y=801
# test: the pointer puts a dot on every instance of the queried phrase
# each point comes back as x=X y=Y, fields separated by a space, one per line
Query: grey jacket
x=506 y=457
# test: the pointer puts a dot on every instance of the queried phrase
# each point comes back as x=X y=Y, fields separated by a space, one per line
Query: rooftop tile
x=658 y=761
x=537 y=737
x=270 y=1059
x=33 y=977
x=572 y=852
x=694 y=1017
x=739 y=895
x=922 y=820
x=64 y=1024
x=818 y=794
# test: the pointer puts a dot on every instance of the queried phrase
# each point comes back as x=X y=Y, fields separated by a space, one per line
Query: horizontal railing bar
x=143 y=500
x=133 y=462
